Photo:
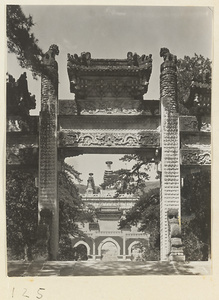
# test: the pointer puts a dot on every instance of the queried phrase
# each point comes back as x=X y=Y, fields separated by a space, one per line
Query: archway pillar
x=170 y=198
x=48 y=198
x=124 y=246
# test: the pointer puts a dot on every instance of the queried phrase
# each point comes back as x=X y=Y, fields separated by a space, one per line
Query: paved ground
x=100 y=268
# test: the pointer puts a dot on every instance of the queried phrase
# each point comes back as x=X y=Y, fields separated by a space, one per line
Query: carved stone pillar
x=170 y=177
x=94 y=248
x=123 y=245
x=48 y=198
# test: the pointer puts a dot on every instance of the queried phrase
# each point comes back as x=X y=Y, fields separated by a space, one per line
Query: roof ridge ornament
x=137 y=60
x=83 y=60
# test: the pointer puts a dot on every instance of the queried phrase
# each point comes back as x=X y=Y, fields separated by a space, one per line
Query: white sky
x=111 y=32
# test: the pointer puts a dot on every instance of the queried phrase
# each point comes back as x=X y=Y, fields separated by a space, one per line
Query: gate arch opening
x=109 y=250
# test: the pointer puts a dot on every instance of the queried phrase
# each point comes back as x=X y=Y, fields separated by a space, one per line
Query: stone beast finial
x=49 y=57
x=167 y=56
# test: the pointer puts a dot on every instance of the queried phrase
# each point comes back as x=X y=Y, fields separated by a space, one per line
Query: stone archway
x=123 y=123
x=109 y=250
x=81 y=250
x=134 y=251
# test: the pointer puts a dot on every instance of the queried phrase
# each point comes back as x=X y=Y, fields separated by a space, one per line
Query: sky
x=111 y=32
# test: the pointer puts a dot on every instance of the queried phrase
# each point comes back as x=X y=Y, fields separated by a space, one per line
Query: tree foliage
x=21 y=41
x=71 y=207
x=22 y=213
x=191 y=68
x=130 y=180
x=71 y=211
x=146 y=215
x=196 y=215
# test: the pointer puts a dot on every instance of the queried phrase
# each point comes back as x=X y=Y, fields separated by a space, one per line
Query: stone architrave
x=48 y=200
x=170 y=177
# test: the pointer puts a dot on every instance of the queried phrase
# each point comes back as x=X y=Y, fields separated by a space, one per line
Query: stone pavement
x=100 y=268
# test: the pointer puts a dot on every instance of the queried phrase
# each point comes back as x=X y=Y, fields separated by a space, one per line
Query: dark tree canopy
x=196 y=215
x=21 y=41
x=22 y=213
x=196 y=68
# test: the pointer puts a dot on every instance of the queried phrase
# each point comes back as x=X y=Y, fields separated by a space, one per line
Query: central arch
x=109 y=249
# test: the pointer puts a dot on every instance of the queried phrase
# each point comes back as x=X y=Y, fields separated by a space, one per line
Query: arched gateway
x=109 y=115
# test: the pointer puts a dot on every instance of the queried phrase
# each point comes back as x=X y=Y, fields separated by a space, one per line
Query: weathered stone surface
x=139 y=122
x=188 y=123
x=43 y=236
x=175 y=242
x=109 y=138
x=48 y=198
x=196 y=157
x=110 y=107
x=192 y=123
x=170 y=177
x=67 y=107
x=205 y=124
x=197 y=140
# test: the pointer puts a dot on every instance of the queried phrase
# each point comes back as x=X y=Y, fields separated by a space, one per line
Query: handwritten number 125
x=38 y=296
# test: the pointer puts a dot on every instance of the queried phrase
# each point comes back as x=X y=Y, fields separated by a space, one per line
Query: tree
x=196 y=215
x=191 y=68
x=146 y=215
x=133 y=180
x=22 y=213
x=71 y=211
x=21 y=41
